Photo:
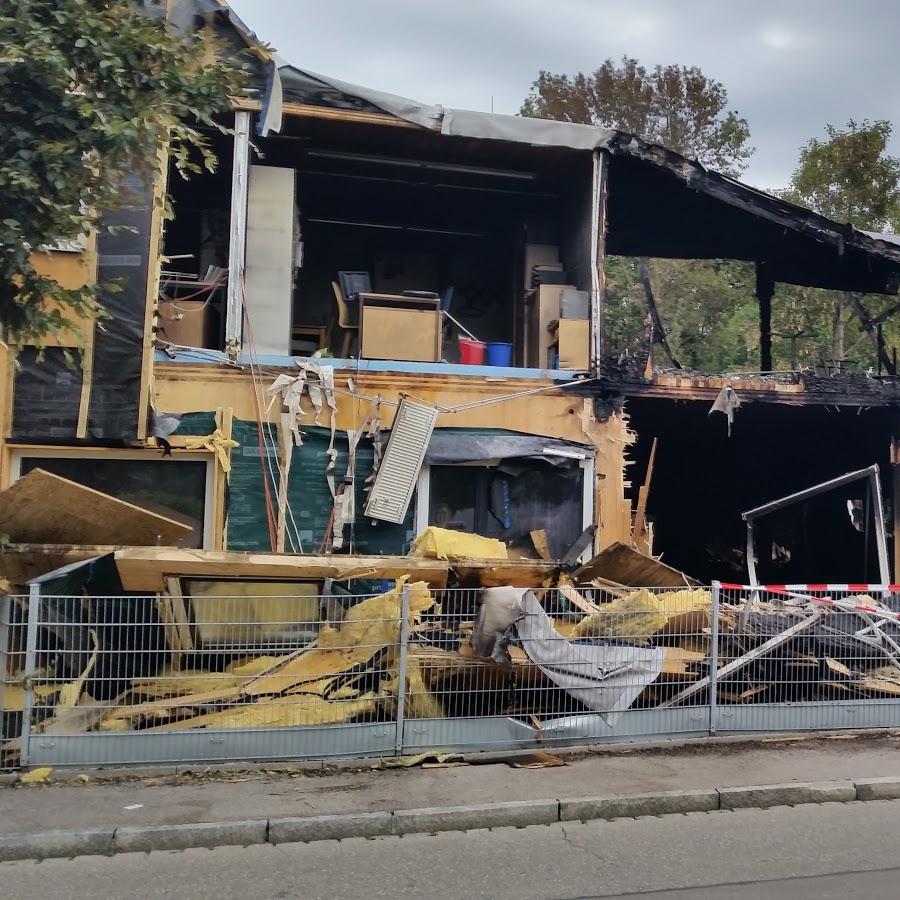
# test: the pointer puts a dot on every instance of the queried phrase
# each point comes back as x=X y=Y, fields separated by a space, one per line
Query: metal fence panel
x=807 y=657
x=563 y=667
x=210 y=677
x=283 y=673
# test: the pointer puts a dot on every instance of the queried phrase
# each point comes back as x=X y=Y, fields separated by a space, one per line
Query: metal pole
x=753 y=596
x=401 y=669
x=599 y=196
x=813 y=491
x=34 y=607
x=884 y=567
x=714 y=658
x=5 y=612
x=237 y=244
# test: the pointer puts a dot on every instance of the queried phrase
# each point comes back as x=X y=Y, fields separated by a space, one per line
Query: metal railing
x=160 y=678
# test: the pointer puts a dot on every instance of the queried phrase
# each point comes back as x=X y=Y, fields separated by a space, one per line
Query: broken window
x=460 y=226
x=173 y=488
x=509 y=501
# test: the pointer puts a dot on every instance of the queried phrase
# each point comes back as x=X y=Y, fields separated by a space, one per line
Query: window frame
x=423 y=496
x=20 y=452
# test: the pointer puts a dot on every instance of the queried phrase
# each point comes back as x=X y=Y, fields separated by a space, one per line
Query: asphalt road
x=832 y=850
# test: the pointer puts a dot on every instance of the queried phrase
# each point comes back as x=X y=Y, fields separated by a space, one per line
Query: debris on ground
x=579 y=646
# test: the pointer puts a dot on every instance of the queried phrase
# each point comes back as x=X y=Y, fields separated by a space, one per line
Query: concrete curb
x=98 y=775
x=516 y=814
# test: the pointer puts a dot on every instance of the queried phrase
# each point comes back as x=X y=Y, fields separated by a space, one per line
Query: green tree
x=851 y=177
x=686 y=111
x=676 y=106
x=90 y=91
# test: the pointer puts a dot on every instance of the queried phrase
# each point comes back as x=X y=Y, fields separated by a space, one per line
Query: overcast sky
x=789 y=66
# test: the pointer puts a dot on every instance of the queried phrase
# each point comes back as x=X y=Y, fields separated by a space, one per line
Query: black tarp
x=47 y=390
x=119 y=341
x=46 y=396
x=453 y=446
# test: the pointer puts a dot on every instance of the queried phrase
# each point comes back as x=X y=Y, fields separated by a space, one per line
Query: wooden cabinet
x=542 y=307
x=573 y=343
x=397 y=327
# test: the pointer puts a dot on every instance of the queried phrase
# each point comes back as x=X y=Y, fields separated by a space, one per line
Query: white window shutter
x=402 y=461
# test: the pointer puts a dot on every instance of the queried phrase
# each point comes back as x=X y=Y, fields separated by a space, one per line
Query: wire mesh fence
x=198 y=674
x=805 y=656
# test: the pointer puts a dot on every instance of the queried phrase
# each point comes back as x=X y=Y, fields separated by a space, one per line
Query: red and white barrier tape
x=847 y=588
x=841 y=603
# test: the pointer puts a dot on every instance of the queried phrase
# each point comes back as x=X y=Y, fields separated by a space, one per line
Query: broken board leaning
x=45 y=508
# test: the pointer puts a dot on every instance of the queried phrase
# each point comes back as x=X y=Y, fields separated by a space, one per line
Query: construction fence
x=93 y=681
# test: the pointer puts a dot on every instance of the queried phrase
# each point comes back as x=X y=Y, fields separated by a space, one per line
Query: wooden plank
x=145 y=569
x=577 y=600
x=180 y=614
x=625 y=565
x=499 y=572
x=677 y=661
x=87 y=381
x=170 y=629
x=306 y=110
x=42 y=507
x=643 y=493
x=225 y=422
x=539 y=539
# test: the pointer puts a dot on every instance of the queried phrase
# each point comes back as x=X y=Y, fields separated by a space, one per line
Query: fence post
x=5 y=625
x=34 y=607
x=714 y=657
x=401 y=669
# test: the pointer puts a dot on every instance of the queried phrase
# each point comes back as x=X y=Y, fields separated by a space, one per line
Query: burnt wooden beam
x=765 y=289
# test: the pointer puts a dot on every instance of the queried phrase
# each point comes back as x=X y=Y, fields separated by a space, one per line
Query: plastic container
x=471 y=353
x=499 y=354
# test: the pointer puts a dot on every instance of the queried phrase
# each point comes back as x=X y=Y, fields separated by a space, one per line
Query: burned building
x=355 y=249
x=379 y=318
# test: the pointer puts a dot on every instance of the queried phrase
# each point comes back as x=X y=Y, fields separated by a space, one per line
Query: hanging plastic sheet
x=606 y=678
x=48 y=386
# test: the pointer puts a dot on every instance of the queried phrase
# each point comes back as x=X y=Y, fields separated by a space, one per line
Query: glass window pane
x=176 y=490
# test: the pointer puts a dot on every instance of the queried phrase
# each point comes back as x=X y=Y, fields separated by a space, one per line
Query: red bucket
x=471 y=353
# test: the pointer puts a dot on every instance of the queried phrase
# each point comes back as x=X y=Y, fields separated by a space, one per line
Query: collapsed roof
x=660 y=203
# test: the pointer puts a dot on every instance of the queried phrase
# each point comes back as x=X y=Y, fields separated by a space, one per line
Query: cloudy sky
x=789 y=66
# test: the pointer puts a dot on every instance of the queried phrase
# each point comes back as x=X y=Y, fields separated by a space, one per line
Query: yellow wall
x=70 y=270
x=179 y=388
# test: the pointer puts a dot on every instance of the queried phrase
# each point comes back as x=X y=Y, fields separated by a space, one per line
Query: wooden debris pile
x=351 y=672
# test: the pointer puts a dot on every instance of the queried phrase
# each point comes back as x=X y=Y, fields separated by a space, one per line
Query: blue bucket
x=498 y=354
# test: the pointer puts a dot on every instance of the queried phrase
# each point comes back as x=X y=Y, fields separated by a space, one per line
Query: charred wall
x=704 y=479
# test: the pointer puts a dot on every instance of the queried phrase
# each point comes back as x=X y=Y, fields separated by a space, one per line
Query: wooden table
x=396 y=326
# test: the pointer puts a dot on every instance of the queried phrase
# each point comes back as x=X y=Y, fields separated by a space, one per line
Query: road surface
x=832 y=850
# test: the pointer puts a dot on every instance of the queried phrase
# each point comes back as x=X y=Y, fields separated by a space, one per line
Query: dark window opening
x=193 y=283
x=176 y=490
x=510 y=501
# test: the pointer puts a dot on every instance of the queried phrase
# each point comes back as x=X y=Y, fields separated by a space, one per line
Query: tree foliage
x=850 y=177
x=676 y=106
x=90 y=92
x=701 y=308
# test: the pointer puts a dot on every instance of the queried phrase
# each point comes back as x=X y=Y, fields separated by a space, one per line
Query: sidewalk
x=278 y=791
